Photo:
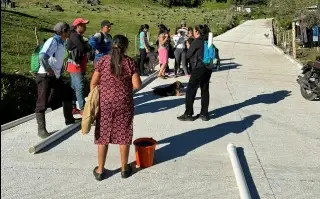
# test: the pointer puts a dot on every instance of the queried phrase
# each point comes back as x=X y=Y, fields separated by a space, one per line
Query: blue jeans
x=77 y=83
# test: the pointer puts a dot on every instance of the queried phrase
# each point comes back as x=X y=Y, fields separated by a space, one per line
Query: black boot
x=67 y=112
x=41 y=120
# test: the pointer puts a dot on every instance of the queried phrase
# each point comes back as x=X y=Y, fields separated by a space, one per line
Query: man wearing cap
x=52 y=91
x=78 y=48
x=101 y=41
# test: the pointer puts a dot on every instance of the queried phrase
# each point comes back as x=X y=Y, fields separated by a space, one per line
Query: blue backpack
x=209 y=53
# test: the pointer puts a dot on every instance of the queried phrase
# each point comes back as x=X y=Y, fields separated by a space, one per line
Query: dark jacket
x=195 y=53
x=77 y=46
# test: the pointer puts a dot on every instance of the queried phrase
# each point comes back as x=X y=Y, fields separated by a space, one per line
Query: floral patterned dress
x=115 y=122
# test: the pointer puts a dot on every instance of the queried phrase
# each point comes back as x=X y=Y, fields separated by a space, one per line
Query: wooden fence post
x=135 y=46
x=294 y=50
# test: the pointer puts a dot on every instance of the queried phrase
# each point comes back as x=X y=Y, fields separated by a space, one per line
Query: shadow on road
x=158 y=106
x=182 y=144
x=270 y=98
x=247 y=174
x=228 y=66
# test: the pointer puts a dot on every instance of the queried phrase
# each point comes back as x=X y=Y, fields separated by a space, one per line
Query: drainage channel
x=76 y=127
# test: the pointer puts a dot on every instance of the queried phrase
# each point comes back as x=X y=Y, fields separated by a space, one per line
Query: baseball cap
x=60 y=27
x=78 y=21
x=106 y=23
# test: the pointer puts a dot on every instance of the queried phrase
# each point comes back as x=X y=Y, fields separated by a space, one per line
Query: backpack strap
x=101 y=38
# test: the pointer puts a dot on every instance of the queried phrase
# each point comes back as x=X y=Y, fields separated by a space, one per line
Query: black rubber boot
x=67 y=112
x=41 y=120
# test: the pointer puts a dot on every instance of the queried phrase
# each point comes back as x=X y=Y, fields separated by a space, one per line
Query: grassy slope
x=17 y=33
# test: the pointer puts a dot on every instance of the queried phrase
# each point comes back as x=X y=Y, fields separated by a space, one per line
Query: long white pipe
x=54 y=137
x=59 y=134
x=241 y=180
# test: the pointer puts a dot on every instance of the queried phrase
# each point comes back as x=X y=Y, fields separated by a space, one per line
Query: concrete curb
x=290 y=58
x=42 y=144
x=237 y=169
x=19 y=121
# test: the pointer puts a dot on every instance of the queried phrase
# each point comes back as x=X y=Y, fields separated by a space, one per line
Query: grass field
x=17 y=32
x=18 y=87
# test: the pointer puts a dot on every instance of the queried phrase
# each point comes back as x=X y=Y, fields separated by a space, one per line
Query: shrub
x=18 y=96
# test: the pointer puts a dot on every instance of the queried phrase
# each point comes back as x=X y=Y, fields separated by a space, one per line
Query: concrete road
x=255 y=103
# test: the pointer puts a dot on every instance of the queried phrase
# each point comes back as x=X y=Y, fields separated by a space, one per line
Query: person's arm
x=162 y=39
x=136 y=81
x=44 y=61
x=193 y=48
x=78 y=42
x=175 y=40
x=94 y=80
x=94 y=41
x=135 y=77
x=49 y=48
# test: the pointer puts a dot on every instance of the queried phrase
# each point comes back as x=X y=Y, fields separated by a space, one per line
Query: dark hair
x=120 y=44
x=190 y=29
x=152 y=49
x=162 y=30
x=142 y=27
x=203 y=30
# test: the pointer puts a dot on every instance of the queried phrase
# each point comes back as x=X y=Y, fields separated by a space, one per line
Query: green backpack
x=35 y=64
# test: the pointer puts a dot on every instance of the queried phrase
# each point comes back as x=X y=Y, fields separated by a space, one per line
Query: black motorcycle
x=310 y=80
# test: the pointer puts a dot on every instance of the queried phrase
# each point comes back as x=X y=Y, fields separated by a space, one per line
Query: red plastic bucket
x=145 y=148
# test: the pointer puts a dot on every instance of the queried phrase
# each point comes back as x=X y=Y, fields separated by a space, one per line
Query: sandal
x=127 y=173
x=162 y=76
x=98 y=176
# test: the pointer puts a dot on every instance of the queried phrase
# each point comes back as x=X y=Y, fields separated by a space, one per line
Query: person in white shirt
x=52 y=91
x=179 y=40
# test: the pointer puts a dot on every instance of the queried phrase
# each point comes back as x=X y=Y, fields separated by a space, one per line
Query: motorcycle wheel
x=308 y=95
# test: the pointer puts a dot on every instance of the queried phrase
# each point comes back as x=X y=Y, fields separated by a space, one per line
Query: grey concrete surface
x=254 y=102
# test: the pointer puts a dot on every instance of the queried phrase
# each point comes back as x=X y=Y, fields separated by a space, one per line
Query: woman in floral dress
x=117 y=77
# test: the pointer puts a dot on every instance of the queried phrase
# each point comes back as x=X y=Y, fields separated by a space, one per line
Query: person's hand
x=147 y=50
x=97 y=52
x=188 y=45
x=50 y=72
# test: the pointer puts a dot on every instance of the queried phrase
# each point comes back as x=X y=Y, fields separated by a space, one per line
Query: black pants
x=143 y=57
x=51 y=93
x=200 y=77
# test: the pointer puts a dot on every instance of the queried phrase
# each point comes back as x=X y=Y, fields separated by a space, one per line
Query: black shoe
x=203 y=117
x=98 y=176
x=127 y=173
x=185 y=117
x=72 y=121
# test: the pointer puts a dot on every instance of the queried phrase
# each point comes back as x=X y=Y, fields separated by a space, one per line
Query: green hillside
x=18 y=38
x=18 y=88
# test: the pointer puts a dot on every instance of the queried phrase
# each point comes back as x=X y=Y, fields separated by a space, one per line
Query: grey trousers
x=180 y=58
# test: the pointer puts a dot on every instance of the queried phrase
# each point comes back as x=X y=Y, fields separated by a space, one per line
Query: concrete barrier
x=19 y=121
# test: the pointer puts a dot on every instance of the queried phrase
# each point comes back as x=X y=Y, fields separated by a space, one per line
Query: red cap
x=78 y=21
